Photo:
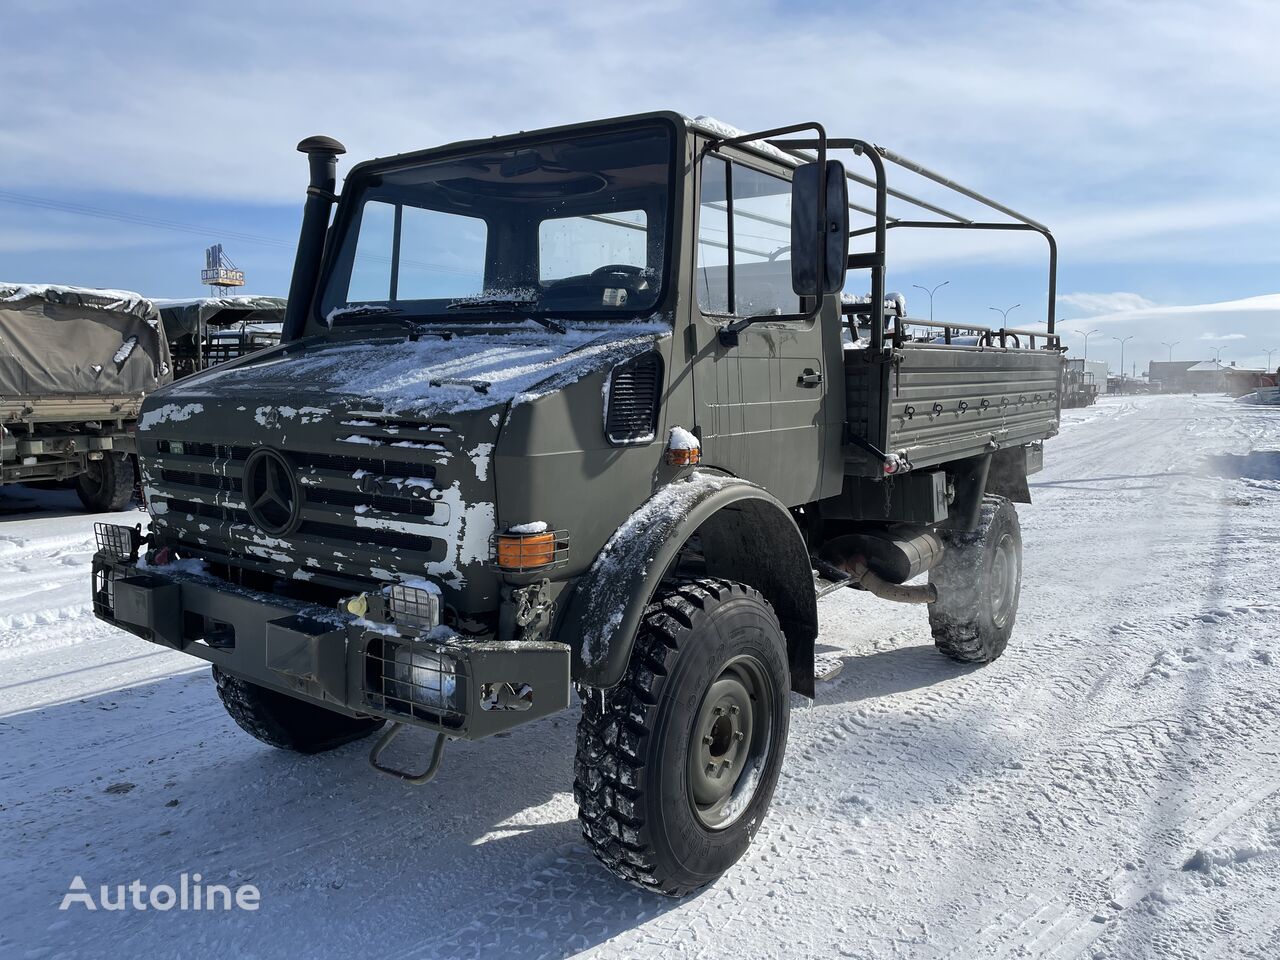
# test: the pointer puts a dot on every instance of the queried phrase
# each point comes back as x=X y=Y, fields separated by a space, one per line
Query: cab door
x=761 y=404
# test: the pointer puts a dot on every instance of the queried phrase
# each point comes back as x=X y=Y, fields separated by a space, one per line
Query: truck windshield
x=572 y=226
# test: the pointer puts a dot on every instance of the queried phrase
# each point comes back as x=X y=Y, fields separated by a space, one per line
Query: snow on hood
x=432 y=375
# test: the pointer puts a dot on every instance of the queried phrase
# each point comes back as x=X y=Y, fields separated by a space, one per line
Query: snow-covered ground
x=1107 y=789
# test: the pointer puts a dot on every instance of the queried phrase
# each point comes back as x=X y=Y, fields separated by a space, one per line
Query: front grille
x=350 y=464
x=377 y=501
x=348 y=502
x=210 y=481
x=431 y=547
x=209 y=511
x=634 y=388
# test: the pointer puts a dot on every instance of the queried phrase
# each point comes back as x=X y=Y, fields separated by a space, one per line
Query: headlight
x=422 y=678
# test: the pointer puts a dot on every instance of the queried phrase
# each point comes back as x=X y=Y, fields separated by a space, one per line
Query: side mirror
x=819 y=238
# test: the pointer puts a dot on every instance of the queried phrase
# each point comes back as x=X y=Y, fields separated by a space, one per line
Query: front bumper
x=465 y=689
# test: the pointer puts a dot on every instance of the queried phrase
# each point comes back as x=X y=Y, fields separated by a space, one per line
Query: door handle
x=810 y=378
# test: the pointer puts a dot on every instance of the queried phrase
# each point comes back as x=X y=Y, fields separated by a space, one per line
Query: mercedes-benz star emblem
x=271 y=492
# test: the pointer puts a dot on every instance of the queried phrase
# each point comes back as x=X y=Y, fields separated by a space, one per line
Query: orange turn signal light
x=684 y=456
x=526 y=551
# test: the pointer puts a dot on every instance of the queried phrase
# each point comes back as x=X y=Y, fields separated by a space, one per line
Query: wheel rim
x=1004 y=580
x=730 y=742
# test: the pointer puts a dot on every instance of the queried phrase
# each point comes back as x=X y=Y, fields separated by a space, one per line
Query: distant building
x=1170 y=376
x=1200 y=376
x=1241 y=380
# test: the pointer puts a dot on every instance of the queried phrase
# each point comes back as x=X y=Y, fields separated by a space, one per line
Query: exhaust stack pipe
x=322 y=155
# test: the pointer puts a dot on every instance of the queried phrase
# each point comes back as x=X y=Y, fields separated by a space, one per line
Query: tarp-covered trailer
x=75 y=365
x=206 y=331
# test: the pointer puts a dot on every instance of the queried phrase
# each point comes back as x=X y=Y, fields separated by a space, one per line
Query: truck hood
x=431 y=376
x=389 y=441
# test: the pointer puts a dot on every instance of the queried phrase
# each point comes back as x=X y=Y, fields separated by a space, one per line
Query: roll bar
x=805 y=150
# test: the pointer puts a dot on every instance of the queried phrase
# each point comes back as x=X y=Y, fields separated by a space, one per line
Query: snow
x=629 y=552
x=111 y=299
x=726 y=131
x=1108 y=789
x=126 y=348
x=682 y=439
x=416 y=583
x=517 y=362
x=537 y=526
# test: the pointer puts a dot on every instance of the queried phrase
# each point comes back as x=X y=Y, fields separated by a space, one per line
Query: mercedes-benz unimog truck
x=589 y=409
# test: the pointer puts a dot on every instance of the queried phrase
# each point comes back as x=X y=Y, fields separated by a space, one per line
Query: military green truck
x=584 y=409
x=75 y=365
x=205 y=331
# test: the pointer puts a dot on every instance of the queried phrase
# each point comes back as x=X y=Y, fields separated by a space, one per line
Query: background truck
x=205 y=331
x=1078 y=386
x=75 y=365
x=585 y=408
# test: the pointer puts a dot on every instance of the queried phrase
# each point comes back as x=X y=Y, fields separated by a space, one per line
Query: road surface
x=1107 y=789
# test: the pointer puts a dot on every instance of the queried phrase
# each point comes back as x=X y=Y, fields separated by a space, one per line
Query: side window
x=744 y=241
x=761 y=244
x=575 y=246
x=712 y=274
x=440 y=255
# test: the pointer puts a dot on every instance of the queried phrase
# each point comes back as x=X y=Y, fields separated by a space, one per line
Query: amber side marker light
x=526 y=551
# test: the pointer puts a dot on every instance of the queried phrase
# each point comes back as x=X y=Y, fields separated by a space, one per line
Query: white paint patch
x=169 y=413
x=480 y=458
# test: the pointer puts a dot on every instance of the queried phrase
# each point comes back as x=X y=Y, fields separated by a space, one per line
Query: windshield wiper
x=505 y=305
x=355 y=313
x=393 y=314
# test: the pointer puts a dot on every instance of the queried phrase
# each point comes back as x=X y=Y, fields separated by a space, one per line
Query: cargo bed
x=932 y=403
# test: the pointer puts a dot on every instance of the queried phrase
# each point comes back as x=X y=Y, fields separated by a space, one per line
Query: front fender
x=610 y=599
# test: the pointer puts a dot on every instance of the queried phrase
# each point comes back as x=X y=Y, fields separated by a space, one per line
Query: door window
x=744 y=242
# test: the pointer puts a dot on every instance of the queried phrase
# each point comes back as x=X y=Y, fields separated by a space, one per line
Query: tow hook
x=433 y=766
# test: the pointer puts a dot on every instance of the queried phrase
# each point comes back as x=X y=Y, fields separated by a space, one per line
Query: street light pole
x=1122 y=341
x=1269 y=353
x=1217 y=355
x=1004 y=314
x=1087 y=334
x=931 y=293
x=1170 y=346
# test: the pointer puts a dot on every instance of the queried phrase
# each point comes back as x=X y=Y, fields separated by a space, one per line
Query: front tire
x=676 y=766
x=285 y=722
x=107 y=484
x=979 y=583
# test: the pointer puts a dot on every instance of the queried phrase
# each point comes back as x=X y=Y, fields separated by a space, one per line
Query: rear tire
x=979 y=583
x=676 y=765
x=282 y=721
x=106 y=484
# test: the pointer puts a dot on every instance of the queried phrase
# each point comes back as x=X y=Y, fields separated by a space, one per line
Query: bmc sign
x=222 y=277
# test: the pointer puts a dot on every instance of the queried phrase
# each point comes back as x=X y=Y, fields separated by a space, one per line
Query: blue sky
x=1145 y=134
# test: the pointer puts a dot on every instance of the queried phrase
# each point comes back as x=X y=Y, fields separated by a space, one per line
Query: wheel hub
x=1004 y=580
x=730 y=735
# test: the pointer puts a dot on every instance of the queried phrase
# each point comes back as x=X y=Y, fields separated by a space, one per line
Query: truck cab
x=584 y=408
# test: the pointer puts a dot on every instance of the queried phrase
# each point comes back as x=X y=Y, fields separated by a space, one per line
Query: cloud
x=1105 y=302
x=1185 y=331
